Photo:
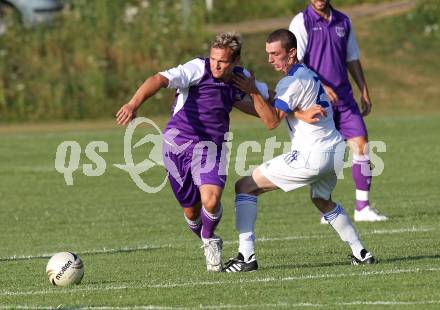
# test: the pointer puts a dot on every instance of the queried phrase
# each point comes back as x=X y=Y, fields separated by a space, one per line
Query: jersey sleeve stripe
x=282 y=105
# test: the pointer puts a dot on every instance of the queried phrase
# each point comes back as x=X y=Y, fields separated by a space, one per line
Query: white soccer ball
x=65 y=268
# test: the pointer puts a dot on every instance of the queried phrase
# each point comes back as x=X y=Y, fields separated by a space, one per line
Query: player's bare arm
x=150 y=87
x=269 y=115
x=355 y=69
x=246 y=106
x=310 y=116
x=247 y=84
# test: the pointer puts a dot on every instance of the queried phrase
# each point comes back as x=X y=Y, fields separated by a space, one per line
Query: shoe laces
x=212 y=247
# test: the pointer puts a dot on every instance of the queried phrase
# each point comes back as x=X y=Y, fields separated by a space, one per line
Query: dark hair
x=287 y=38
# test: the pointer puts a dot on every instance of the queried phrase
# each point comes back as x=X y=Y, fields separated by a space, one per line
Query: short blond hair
x=230 y=40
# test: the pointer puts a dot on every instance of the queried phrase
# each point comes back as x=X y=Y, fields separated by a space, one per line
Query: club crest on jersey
x=340 y=31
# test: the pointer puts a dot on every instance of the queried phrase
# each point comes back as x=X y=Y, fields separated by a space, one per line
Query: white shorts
x=294 y=170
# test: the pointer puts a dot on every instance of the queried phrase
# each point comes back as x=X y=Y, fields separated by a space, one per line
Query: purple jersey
x=202 y=104
x=200 y=114
x=327 y=48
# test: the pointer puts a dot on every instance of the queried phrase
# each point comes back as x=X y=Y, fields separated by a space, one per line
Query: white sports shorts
x=293 y=170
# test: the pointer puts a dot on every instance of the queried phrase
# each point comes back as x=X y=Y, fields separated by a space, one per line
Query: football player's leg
x=361 y=172
x=246 y=215
x=183 y=187
x=211 y=214
x=354 y=130
x=247 y=189
x=193 y=218
x=212 y=209
x=335 y=215
x=207 y=175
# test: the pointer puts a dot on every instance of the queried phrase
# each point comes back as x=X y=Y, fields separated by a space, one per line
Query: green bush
x=239 y=10
x=93 y=58
x=98 y=53
x=426 y=18
x=415 y=31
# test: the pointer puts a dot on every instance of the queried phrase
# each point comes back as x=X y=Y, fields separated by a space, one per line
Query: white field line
x=374 y=232
x=245 y=306
x=234 y=281
x=261 y=239
x=95 y=251
x=28 y=169
x=397 y=231
x=300 y=278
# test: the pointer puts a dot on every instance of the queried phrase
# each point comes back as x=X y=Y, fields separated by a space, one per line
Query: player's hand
x=330 y=94
x=365 y=105
x=311 y=115
x=245 y=84
x=125 y=114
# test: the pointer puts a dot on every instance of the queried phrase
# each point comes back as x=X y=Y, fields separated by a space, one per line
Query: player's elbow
x=271 y=125
x=160 y=80
x=270 y=120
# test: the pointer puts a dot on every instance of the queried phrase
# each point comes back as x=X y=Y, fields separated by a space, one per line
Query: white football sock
x=340 y=221
x=362 y=195
x=246 y=215
x=197 y=222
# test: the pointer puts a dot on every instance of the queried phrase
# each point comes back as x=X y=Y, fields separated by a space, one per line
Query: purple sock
x=362 y=179
x=361 y=204
x=195 y=226
x=210 y=222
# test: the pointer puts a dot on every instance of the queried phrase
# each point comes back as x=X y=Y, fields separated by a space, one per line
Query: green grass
x=149 y=258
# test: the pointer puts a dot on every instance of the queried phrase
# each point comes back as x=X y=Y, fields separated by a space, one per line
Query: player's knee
x=316 y=201
x=239 y=187
x=324 y=205
x=319 y=202
x=359 y=145
x=211 y=202
x=242 y=186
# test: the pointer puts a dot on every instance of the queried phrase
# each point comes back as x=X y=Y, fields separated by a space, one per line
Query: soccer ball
x=65 y=268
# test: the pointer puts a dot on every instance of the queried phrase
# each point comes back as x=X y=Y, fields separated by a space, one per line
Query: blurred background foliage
x=239 y=10
x=92 y=58
x=98 y=52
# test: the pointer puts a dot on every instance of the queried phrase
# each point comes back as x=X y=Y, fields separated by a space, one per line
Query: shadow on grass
x=347 y=262
x=409 y=258
x=301 y=266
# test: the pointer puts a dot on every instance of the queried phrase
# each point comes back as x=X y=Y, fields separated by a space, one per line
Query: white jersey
x=302 y=89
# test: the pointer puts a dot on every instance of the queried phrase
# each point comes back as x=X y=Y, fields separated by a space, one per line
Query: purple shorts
x=186 y=172
x=349 y=121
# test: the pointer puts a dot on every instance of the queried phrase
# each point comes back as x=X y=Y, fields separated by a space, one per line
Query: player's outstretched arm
x=150 y=87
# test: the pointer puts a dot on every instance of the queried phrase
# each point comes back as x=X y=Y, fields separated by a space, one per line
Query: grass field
x=138 y=253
